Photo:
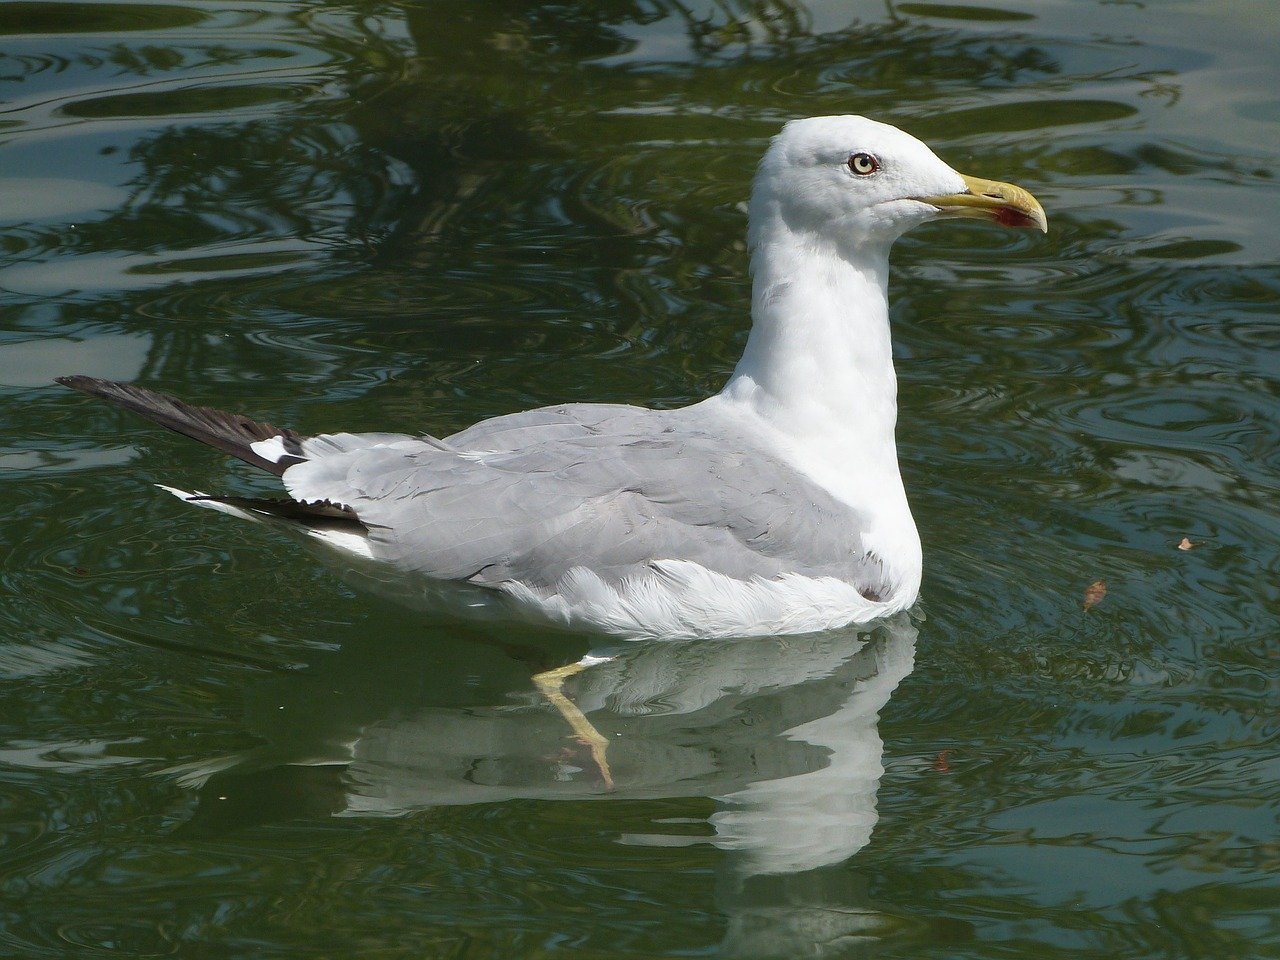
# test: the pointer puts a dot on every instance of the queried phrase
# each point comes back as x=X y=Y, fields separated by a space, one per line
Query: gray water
x=411 y=216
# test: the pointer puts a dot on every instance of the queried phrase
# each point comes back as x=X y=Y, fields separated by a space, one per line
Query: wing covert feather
x=612 y=488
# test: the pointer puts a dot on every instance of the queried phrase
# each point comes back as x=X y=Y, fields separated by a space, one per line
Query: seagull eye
x=863 y=164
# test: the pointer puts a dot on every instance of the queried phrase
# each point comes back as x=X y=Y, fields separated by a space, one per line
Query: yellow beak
x=1001 y=203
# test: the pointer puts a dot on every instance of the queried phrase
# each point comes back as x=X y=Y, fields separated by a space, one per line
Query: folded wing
x=529 y=497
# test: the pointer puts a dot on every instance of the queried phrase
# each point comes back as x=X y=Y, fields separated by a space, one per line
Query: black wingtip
x=231 y=433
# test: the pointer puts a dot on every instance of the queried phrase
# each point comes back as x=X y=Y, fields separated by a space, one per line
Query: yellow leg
x=550 y=684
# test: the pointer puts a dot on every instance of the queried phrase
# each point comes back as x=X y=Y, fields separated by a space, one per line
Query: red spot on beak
x=1009 y=217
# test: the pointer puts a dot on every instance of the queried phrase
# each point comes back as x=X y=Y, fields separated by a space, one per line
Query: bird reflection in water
x=780 y=731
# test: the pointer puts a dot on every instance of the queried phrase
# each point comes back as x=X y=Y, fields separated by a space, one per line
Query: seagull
x=775 y=506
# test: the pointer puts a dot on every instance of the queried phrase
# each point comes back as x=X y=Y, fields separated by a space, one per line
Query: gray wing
x=531 y=496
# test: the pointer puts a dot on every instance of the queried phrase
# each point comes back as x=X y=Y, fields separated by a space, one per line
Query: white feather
x=193 y=496
x=271 y=449
x=344 y=541
x=678 y=599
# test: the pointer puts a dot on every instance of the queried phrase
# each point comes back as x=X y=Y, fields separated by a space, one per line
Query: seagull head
x=862 y=184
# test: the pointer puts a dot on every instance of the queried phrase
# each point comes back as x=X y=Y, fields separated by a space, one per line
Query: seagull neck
x=819 y=362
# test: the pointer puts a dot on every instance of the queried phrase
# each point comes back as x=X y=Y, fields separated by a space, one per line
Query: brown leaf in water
x=940 y=761
x=1094 y=593
x=1186 y=544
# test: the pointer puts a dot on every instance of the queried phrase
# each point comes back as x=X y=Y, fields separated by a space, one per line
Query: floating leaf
x=1185 y=544
x=1094 y=593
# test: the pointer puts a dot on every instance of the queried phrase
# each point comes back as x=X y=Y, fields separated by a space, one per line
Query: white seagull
x=775 y=506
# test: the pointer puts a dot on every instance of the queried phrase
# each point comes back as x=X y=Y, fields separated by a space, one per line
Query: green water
x=414 y=215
